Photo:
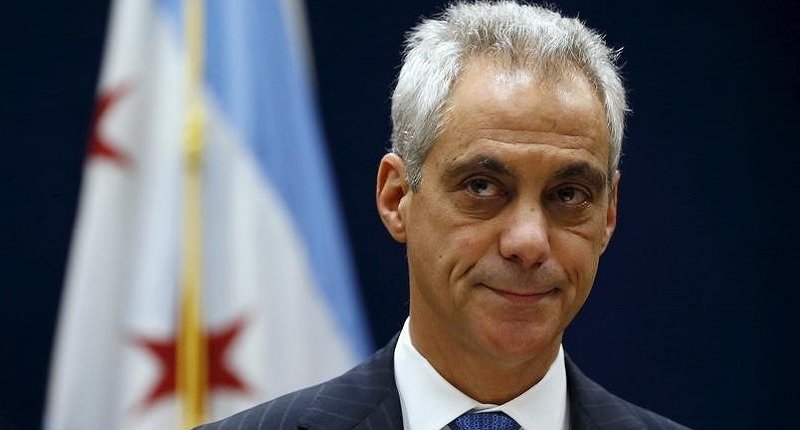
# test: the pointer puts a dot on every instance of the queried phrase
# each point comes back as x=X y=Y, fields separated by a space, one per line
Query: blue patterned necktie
x=484 y=421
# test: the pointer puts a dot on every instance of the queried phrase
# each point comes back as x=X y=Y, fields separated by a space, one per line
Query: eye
x=482 y=187
x=572 y=196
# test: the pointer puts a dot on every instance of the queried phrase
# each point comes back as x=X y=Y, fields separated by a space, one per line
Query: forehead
x=517 y=106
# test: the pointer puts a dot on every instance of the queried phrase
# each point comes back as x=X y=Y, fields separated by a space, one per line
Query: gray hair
x=436 y=50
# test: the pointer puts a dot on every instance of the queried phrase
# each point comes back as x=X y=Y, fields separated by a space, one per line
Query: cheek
x=578 y=256
x=451 y=235
x=451 y=252
x=430 y=248
x=470 y=243
x=439 y=235
x=464 y=241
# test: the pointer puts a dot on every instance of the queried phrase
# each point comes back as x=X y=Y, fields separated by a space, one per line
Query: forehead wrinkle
x=558 y=145
x=524 y=136
x=532 y=134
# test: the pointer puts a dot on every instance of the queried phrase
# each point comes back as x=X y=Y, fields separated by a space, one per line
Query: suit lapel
x=594 y=408
x=366 y=397
x=387 y=415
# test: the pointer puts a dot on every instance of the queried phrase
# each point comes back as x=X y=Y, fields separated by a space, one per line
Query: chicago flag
x=209 y=269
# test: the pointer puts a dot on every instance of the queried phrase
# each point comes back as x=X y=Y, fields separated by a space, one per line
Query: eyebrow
x=581 y=169
x=477 y=162
x=597 y=178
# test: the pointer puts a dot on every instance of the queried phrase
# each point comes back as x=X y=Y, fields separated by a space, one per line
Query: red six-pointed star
x=98 y=146
x=220 y=375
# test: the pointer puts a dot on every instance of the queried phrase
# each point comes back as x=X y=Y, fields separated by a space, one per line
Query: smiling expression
x=514 y=209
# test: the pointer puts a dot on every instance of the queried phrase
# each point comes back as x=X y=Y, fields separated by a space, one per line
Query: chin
x=519 y=340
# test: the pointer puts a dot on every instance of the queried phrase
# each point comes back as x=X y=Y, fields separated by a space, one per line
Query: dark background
x=691 y=312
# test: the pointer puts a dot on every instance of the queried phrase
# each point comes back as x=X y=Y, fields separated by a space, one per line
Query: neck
x=485 y=377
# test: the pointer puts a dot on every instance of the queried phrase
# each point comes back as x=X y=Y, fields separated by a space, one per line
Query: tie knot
x=484 y=421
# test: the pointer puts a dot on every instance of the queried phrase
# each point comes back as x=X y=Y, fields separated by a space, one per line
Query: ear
x=391 y=188
x=611 y=214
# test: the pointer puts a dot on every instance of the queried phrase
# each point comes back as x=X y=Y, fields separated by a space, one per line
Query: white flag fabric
x=278 y=301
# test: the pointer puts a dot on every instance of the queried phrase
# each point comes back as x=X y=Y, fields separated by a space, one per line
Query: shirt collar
x=429 y=402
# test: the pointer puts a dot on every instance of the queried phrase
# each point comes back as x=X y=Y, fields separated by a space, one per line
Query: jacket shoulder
x=593 y=407
x=280 y=413
x=366 y=393
x=645 y=418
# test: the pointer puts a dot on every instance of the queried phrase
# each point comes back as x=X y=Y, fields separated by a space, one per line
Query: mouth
x=522 y=298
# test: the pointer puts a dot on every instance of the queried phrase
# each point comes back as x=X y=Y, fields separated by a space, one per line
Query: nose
x=525 y=238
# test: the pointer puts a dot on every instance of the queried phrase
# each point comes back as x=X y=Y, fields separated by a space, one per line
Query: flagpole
x=192 y=373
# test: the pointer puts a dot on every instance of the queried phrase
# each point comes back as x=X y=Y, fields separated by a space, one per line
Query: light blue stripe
x=256 y=72
x=174 y=10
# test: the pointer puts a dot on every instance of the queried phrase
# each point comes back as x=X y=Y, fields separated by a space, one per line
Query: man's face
x=514 y=209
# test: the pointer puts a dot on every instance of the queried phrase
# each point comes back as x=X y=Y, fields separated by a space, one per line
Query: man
x=502 y=182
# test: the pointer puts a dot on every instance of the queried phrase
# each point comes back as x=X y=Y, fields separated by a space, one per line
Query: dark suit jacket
x=366 y=397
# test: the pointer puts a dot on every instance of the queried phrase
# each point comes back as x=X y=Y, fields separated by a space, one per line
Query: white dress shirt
x=429 y=402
